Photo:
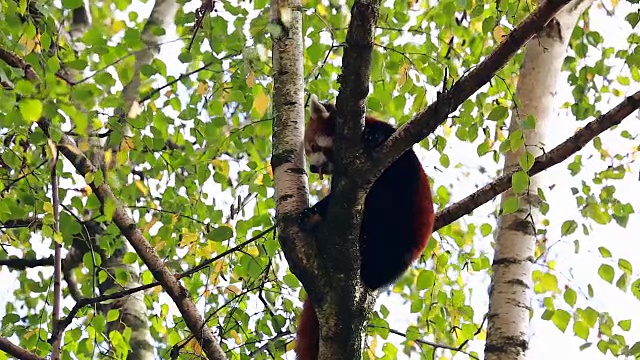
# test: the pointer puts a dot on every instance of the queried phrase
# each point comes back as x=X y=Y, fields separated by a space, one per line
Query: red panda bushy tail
x=308 y=336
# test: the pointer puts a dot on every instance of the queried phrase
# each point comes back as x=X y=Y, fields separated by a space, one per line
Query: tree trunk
x=510 y=292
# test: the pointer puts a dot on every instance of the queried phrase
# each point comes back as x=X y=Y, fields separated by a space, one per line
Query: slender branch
x=147 y=253
x=120 y=294
x=557 y=155
x=269 y=342
x=185 y=75
x=57 y=253
x=16 y=351
x=435 y=344
x=21 y=264
x=426 y=121
x=20 y=223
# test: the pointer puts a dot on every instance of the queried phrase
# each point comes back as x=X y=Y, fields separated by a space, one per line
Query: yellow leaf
x=291 y=345
x=108 y=155
x=86 y=191
x=188 y=239
x=253 y=251
x=48 y=208
x=28 y=43
x=261 y=102
x=232 y=289
x=371 y=350
x=321 y=10
x=498 y=33
x=447 y=130
x=195 y=346
x=142 y=187
x=259 y=177
x=251 y=79
x=403 y=74
x=202 y=88
x=122 y=157
x=83 y=145
x=236 y=337
x=160 y=245
x=149 y=225
x=118 y=25
x=269 y=170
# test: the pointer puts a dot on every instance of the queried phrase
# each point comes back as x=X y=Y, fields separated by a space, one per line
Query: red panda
x=398 y=213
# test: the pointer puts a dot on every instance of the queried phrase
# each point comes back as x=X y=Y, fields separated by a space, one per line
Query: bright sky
x=575 y=270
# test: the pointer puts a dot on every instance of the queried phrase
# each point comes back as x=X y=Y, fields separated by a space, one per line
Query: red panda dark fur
x=398 y=214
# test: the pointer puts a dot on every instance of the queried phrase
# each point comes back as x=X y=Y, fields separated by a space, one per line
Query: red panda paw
x=309 y=218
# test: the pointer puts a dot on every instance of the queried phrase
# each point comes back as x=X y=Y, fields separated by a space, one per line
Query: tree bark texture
x=510 y=292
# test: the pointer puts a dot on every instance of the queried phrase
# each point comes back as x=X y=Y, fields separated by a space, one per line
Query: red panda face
x=318 y=137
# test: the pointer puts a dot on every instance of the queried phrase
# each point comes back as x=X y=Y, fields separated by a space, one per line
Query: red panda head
x=318 y=137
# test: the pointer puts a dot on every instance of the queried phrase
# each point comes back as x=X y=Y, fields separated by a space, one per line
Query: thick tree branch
x=147 y=253
x=15 y=61
x=356 y=73
x=287 y=161
x=16 y=351
x=557 y=155
x=426 y=121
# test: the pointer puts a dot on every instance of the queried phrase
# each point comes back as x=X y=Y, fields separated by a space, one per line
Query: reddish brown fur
x=308 y=333
x=398 y=215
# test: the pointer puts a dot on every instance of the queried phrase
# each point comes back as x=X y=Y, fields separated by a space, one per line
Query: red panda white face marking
x=318 y=138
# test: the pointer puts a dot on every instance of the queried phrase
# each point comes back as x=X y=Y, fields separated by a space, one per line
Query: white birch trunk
x=511 y=293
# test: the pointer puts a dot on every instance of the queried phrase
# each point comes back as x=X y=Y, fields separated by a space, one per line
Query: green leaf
x=604 y=252
x=485 y=229
x=606 y=272
x=529 y=123
x=581 y=330
x=110 y=207
x=625 y=266
x=220 y=233
x=526 y=161
x=426 y=279
x=623 y=282
x=516 y=139
x=569 y=227
x=113 y=315
x=511 y=205
x=519 y=182
x=498 y=113
x=548 y=282
x=561 y=319
x=130 y=258
x=30 y=109
x=72 y=4
x=570 y=296
x=625 y=324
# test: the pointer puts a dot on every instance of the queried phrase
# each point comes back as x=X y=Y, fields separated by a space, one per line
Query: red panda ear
x=318 y=111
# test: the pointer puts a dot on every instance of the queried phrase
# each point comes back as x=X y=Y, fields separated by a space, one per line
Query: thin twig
x=120 y=294
x=57 y=252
